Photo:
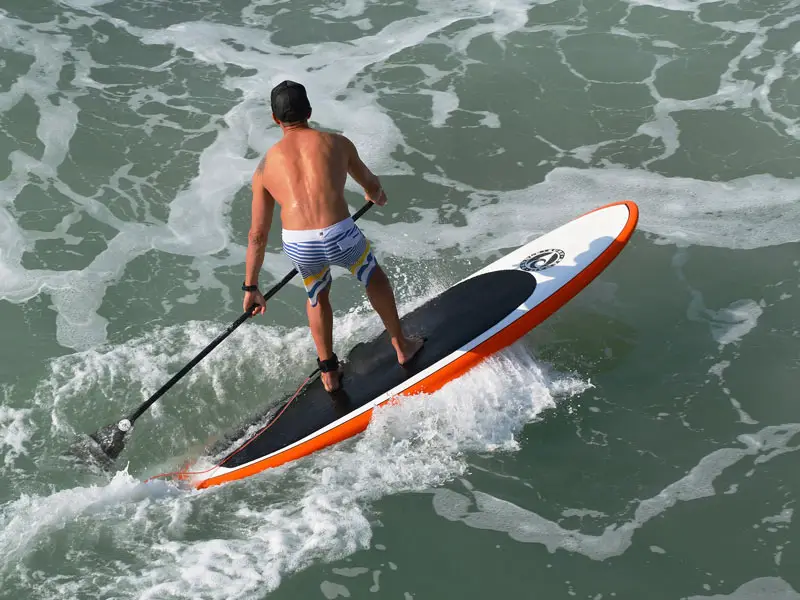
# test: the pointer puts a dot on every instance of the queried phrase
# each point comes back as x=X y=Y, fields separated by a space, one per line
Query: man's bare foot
x=407 y=348
x=331 y=373
x=332 y=380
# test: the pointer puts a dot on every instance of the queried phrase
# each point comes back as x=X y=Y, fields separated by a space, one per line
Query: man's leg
x=381 y=296
x=320 y=320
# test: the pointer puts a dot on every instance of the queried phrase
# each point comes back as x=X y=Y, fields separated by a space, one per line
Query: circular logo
x=544 y=259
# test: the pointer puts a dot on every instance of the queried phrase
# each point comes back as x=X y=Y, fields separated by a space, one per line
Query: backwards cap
x=289 y=102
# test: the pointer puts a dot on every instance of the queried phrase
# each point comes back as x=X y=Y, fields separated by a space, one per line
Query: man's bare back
x=306 y=173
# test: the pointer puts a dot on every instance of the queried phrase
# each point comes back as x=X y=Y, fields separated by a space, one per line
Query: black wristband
x=249 y=288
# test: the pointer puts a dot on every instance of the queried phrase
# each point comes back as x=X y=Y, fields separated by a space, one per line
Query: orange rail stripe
x=459 y=366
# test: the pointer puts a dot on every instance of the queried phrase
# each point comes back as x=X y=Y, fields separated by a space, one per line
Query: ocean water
x=641 y=443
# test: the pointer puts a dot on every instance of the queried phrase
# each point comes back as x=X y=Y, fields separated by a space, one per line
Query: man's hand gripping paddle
x=106 y=444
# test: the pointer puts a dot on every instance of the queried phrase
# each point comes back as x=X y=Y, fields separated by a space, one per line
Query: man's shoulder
x=261 y=164
x=271 y=154
x=341 y=141
x=330 y=136
x=261 y=169
x=338 y=142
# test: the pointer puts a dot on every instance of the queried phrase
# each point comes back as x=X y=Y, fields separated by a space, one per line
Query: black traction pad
x=447 y=322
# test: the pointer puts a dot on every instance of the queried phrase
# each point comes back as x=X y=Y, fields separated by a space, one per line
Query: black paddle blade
x=111 y=438
x=89 y=453
x=103 y=446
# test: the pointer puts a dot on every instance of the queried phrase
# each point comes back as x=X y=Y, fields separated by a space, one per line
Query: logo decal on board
x=544 y=259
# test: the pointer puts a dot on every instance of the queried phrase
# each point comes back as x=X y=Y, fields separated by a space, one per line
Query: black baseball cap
x=289 y=102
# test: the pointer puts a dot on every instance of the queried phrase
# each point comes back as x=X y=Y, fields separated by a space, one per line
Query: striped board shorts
x=313 y=251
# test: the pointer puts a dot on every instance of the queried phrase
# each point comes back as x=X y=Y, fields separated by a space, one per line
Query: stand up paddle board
x=465 y=324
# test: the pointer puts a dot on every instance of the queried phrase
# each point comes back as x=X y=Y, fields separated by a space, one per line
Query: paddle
x=105 y=444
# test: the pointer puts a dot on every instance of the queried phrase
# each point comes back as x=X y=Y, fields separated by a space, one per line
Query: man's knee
x=323 y=298
x=377 y=277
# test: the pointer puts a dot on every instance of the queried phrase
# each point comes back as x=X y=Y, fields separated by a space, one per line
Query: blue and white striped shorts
x=313 y=251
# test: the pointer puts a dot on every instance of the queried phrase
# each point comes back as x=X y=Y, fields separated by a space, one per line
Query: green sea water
x=640 y=443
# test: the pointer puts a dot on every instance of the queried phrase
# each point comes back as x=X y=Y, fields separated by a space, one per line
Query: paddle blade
x=89 y=453
x=103 y=446
x=111 y=438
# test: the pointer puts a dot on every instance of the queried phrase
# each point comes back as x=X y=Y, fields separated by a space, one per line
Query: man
x=305 y=173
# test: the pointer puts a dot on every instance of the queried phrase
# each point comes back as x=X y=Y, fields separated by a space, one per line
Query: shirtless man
x=305 y=173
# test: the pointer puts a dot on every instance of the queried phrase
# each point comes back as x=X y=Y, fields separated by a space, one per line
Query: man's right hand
x=380 y=198
x=257 y=298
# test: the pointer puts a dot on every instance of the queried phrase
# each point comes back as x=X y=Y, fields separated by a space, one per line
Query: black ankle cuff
x=331 y=364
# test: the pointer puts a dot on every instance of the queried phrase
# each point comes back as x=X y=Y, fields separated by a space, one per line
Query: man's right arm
x=362 y=175
x=262 y=208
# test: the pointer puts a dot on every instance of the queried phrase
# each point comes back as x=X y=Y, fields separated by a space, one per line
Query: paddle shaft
x=231 y=328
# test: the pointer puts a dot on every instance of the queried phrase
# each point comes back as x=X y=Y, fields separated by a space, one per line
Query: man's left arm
x=262 y=209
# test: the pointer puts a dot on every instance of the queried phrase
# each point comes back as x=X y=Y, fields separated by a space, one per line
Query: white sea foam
x=733 y=323
x=85 y=3
x=122 y=376
x=739 y=87
x=678 y=210
x=483 y=511
x=261 y=535
x=763 y=588
x=784 y=518
x=332 y=590
x=346 y=98
x=718 y=369
x=411 y=446
x=25 y=521
x=677 y=5
x=197 y=222
x=727 y=325
x=16 y=429
x=76 y=295
x=350 y=8
x=444 y=103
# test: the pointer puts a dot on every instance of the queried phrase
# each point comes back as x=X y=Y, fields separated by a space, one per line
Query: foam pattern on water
x=677 y=210
x=484 y=511
x=250 y=369
x=762 y=588
x=150 y=132
x=16 y=429
x=261 y=534
x=240 y=377
x=185 y=205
